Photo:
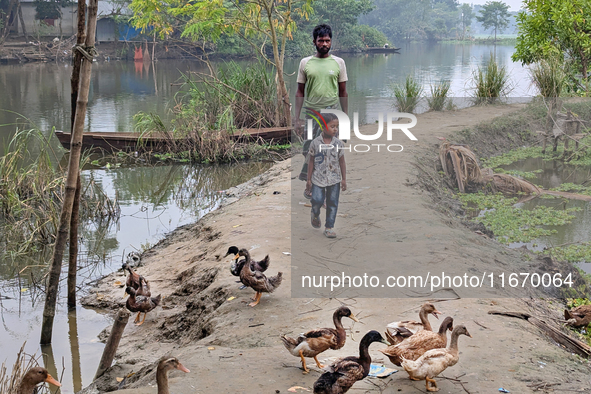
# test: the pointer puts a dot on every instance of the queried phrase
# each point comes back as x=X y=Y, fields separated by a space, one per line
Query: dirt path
x=232 y=348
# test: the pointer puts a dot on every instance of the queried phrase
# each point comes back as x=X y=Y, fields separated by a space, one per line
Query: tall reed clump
x=211 y=107
x=490 y=82
x=438 y=98
x=549 y=77
x=30 y=186
x=31 y=192
x=407 y=95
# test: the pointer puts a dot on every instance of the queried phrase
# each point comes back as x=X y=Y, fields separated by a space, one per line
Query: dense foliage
x=550 y=28
x=421 y=19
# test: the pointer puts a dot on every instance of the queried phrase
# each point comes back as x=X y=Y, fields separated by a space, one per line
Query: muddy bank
x=232 y=348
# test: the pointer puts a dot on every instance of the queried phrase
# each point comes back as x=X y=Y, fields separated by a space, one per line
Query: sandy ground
x=233 y=348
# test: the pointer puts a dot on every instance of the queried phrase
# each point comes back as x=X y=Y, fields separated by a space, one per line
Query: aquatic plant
x=31 y=190
x=439 y=95
x=490 y=83
x=512 y=156
x=407 y=95
x=512 y=224
x=209 y=108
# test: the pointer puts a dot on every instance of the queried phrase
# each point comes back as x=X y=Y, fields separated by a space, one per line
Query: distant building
x=67 y=25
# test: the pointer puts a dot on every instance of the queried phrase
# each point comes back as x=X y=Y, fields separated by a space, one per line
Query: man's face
x=322 y=44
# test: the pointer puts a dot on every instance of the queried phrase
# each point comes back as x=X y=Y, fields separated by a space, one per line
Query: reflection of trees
x=193 y=188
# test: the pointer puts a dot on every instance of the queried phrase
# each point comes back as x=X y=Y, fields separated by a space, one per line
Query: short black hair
x=329 y=117
x=321 y=31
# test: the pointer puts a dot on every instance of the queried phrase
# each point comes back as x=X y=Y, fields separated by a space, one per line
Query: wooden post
x=113 y=342
x=71 y=180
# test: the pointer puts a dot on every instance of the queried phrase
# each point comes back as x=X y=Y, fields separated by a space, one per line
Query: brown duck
x=33 y=377
x=136 y=281
x=256 y=279
x=314 y=342
x=397 y=331
x=435 y=361
x=165 y=365
x=236 y=267
x=579 y=316
x=416 y=345
x=140 y=303
x=343 y=373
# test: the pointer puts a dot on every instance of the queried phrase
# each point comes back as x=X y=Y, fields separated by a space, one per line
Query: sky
x=514 y=5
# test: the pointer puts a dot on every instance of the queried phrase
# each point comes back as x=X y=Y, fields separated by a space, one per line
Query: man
x=322 y=83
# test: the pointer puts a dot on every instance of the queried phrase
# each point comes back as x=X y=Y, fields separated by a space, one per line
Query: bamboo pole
x=77 y=59
x=71 y=180
x=112 y=342
x=74 y=82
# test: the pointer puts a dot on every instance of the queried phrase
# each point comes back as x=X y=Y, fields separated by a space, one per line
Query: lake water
x=156 y=200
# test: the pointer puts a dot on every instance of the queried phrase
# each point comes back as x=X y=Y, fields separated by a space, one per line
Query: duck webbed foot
x=137 y=317
x=433 y=386
x=318 y=363
x=256 y=300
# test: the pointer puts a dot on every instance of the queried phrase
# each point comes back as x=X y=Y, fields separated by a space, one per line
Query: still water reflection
x=41 y=91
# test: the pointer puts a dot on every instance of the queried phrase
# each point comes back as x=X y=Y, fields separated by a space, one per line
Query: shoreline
x=206 y=323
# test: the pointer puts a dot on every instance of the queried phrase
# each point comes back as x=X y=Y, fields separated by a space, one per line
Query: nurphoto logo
x=345 y=129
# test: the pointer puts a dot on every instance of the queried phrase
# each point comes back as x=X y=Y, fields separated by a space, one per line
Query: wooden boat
x=381 y=50
x=116 y=141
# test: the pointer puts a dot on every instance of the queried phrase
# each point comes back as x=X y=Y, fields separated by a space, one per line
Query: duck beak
x=435 y=312
x=385 y=342
x=235 y=257
x=182 y=368
x=51 y=380
x=352 y=317
x=125 y=295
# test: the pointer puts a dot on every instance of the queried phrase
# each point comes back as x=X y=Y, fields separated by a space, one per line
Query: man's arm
x=299 y=103
x=343 y=97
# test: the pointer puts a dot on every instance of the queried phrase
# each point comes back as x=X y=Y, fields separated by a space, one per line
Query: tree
x=555 y=27
x=466 y=16
x=494 y=14
x=271 y=21
x=341 y=15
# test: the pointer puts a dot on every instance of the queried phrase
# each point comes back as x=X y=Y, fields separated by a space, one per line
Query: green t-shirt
x=322 y=77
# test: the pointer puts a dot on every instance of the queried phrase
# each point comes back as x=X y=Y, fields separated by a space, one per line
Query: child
x=326 y=174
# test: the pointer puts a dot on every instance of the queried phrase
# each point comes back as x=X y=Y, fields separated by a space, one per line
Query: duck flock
x=412 y=345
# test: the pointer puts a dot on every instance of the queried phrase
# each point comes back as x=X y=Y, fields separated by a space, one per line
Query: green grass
x=490 y=83
x=439 y=95
x=407 y=95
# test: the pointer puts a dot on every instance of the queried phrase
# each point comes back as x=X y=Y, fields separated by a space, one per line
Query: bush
x=439 y=97
x=407 y=96
x=549 y=77
x=491 y=83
